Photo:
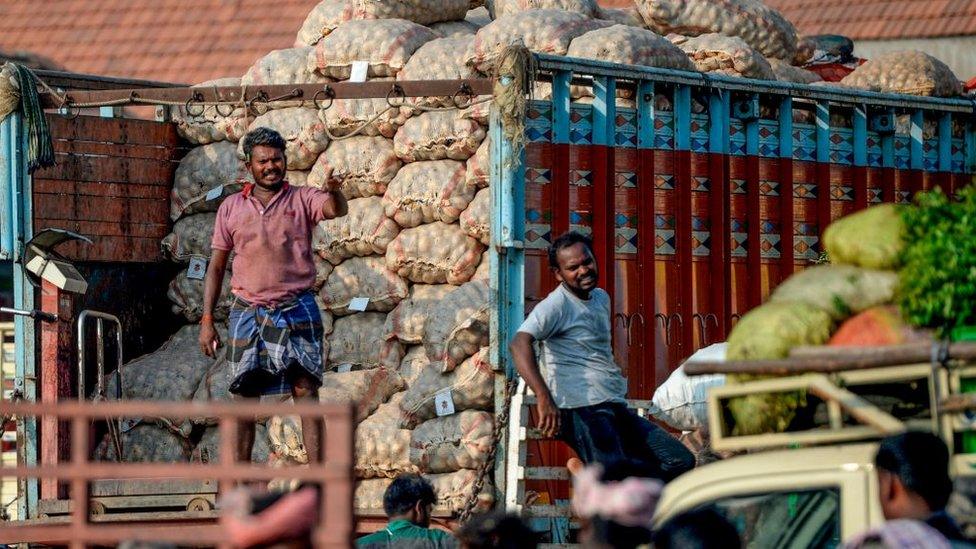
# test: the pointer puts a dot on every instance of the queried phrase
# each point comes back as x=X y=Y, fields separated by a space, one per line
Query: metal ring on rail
x=219 y=106
x=464 y=92
x=396 y=91
x=260 y=98
x=326 y=92
x=68 y=110
x=195 y=98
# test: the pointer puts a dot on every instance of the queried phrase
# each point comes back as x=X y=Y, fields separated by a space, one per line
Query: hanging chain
x=498 y=431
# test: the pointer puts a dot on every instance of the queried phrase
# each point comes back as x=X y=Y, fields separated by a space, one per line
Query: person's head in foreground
x=410 y=498
x=616 y=504
x=703 y=528
x=496 y=530
x=913 y=475
x=571 y=260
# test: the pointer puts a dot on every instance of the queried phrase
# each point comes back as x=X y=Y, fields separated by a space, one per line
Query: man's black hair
x=921 y=461
x=703 y=528
x=497 y=530
x=566 y=240
x=262 y=136
x=404 y=493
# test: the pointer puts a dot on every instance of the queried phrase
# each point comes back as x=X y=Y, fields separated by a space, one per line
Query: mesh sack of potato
x=297 y=178
x=434 y=253
x=541 y=31
x=471 y=387
x=908 y=72
x=186 y=295
x=203 y=124
x=450 y=443
x=362 y=117
x=760 y=26
x=414 y=362
x=788 y=73
x=501 y=8
x=304 y=134
x=200 y=173
x=440 y=59
x=726 y=55
x=364 y=230
x=454 y=29
x=360 y=166
x=365 y=389
x=322 y=271
x=146 y=442
x=476 y=219
x=191 y=237
x=484 y=268
x=385 y=45
x=841 y=290
x=406 y=321
x=453 y=491
x=357 y=340
x=208 y=449
x=478 y=168
x=478 y=15
x=630 y=46
x=436 y=135
x=424 y=192
x=621 y=16
x=362 y=277
x=287 y=66
x=382 y=447
x=873 y=238
x=330 y=14
x=459 y=327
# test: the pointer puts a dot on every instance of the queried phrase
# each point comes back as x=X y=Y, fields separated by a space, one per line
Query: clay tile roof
x=185 y=41
x=881 y=19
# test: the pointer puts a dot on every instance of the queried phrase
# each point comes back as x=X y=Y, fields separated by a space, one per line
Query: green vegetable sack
x=841 y=290
x=769 y=332
x=938 y=282
x=873 y=238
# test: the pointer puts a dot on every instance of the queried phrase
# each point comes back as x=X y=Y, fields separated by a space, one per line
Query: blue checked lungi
x=269 y=346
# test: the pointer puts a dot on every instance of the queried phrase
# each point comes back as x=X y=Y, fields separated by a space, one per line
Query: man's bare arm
x=528 y=367
x=211 y=292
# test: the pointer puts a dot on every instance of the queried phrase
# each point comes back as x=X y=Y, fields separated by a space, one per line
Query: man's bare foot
x=575 y=465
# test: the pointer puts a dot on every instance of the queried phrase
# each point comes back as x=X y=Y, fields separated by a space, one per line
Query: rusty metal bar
x=334 y=473
x=321 y=93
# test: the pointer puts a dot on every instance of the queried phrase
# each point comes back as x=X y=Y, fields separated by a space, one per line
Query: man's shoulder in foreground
x=401 y=533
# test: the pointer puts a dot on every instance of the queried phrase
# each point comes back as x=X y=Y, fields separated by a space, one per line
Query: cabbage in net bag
x=364 y=230
x=362 y=277
x=761 y=27
x=424 y=192
x=204 y=177
x=434 y=253
x=385 y=45
x=361 y=166
x=908 y=72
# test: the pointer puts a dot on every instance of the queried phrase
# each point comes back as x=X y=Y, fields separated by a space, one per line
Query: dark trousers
x=611 y=432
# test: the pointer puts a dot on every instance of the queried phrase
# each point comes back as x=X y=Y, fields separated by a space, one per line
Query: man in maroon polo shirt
x=274 y=327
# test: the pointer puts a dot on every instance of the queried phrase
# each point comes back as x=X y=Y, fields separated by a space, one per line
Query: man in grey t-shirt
x=580 y=390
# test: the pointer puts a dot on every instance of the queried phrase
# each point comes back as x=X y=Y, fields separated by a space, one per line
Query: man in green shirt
x=408 y=502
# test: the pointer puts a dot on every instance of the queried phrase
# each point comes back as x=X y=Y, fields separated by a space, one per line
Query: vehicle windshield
x=786 y=520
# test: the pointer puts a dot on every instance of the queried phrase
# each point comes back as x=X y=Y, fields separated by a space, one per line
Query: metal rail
x=334 y=471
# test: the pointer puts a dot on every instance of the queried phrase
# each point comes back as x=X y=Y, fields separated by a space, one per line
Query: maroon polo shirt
x=272 y=244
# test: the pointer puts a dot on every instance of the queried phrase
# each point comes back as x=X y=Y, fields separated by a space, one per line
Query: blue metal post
x=823 y=132
x=860 y=137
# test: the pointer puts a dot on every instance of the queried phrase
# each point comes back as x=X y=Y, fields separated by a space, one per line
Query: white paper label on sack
x=444 y=402
x=215 y=193
x=197 y=269
x=358 y=304
x=343 y=368
x=358 y=71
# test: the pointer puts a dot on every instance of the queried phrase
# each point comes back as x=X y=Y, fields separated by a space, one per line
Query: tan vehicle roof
x=757 y=470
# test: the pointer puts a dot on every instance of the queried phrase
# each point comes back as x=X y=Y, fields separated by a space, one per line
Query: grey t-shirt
x=577 y=358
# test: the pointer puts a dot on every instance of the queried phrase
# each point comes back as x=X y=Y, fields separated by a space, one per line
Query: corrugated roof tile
x=880 y=19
